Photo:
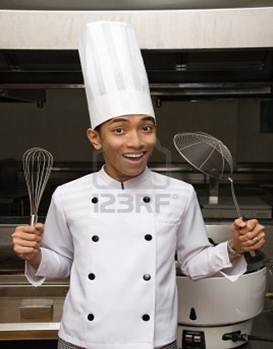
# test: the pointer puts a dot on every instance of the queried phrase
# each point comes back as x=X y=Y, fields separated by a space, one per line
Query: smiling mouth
x=134 y=156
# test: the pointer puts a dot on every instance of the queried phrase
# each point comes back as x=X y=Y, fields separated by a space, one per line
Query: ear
x=94 y=138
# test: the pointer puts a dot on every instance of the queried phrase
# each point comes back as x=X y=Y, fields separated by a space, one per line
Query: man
x=116 y=231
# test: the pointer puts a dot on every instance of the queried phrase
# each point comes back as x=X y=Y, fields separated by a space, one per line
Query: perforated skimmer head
x=37 y=166
x=206 y=153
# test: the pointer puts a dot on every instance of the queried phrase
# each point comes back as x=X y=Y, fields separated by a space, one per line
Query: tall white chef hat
x=114 y=74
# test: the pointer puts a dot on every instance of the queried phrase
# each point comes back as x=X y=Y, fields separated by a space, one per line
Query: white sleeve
x=56 y=246
x=196 y=256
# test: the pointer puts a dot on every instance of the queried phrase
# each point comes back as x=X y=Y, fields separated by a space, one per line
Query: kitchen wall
x=61 y=127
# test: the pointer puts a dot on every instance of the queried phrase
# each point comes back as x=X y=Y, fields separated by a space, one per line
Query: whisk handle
x=33 y=219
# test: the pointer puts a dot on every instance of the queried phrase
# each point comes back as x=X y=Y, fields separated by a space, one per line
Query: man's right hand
x=26 y=241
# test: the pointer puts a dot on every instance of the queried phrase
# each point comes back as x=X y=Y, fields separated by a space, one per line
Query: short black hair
x=97 y=128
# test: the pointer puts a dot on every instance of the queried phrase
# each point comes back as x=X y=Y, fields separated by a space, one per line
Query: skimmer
x=208 y=155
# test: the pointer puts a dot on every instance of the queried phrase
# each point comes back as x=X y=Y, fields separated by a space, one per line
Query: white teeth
x=133 y=155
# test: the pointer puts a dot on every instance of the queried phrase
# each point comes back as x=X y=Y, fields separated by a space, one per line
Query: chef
x=116 y=231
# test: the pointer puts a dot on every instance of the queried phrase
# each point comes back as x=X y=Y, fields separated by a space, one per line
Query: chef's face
x=127 y=143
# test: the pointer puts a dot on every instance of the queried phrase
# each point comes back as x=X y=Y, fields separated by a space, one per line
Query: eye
x=119 y=130
x=148 y=128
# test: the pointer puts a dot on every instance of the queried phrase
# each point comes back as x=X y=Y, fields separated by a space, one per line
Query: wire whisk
x=37 y=166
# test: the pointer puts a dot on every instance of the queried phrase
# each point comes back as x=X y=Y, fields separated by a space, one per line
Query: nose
x=135 y=140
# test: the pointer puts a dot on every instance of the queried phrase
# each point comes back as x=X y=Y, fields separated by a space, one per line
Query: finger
x=261 y=235
x=257 y=230
x=39 y=228
x=239 y=223
x=251 y=234
x=246 y=235
x=251 y=239
x=25 y=229
x=250 y=243
x=26 y=236
x=26 y=243
x=244 y=231
x=251 y=224
x=255 y=235
x=255 y=241
x=257 y=246
x=21 y=250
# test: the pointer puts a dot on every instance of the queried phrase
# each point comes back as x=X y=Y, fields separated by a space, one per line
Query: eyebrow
x=117 y=119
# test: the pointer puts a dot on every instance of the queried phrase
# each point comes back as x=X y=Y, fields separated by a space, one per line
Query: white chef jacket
x=117 y=241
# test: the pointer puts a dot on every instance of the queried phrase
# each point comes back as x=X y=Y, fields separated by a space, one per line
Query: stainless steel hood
x=173 y=74
x=187 y=53
x=88 y=5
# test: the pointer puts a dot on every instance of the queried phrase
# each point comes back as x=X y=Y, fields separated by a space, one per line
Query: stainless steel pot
x=217 y=301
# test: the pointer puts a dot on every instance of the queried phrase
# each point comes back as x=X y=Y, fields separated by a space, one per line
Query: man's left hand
x=247 y=236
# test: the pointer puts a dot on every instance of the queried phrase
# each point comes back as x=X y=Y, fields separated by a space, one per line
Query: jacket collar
x=139 y=182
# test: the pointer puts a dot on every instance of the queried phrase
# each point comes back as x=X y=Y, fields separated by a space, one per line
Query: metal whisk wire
x=37 y=166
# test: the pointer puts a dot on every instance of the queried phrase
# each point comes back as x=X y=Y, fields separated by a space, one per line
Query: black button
x=146 y=199
x=90 y=317
x=145 y=317
x=95 y=238
x=147 y=277
x=148 y=237
x=94 y=200
x=91 y=276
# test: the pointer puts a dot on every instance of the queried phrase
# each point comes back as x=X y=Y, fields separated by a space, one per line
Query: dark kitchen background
x=226 y=93
x=213 y=82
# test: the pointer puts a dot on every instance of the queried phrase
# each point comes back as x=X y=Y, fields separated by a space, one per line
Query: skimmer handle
x=237 y=207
